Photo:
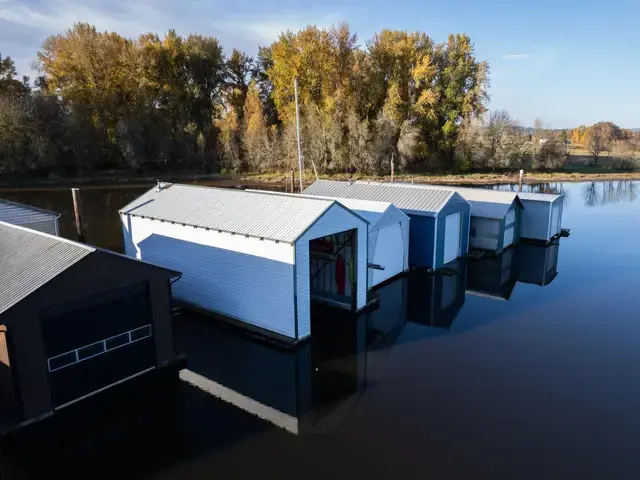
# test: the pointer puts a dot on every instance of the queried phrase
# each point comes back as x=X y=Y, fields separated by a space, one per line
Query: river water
x=523 y=366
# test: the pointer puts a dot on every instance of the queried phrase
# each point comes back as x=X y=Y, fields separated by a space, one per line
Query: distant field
x=581 y=160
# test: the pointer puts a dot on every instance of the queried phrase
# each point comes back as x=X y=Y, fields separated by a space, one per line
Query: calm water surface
x=521 y=366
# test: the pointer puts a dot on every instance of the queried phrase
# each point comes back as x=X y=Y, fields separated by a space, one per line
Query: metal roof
x=20 y=214
x=29 y=259
x=484 y=202
x=256 y=214
x=420 y=201
x=368 y=210
x=540 y=197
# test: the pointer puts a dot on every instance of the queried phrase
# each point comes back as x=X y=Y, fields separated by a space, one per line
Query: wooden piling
x=77 y=210
x=392 y=167
x=292 y=180
x=520 y=179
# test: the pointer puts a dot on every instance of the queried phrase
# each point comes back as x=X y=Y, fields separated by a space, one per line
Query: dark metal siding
x=455 y=204
x=96 y=274
x=421 y=239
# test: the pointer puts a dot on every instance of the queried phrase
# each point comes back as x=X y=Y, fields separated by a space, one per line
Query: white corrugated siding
x=535 y=220
x=487 y=233
x=335 y=220
x=28 y=218
x=248 y=279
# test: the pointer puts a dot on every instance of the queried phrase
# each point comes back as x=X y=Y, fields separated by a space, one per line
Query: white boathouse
x=252 y=257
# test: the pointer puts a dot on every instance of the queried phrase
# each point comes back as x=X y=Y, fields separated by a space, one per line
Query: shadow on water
x=135 y=428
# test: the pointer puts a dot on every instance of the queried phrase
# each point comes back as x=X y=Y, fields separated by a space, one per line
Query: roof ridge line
x=53 y=237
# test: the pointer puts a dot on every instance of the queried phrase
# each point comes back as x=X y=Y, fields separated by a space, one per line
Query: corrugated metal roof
x=484 y=202
x=29 y=259
x=369 y=210
x=276 y=217
x=419 y=200
x=540 y=197
x=20 y=214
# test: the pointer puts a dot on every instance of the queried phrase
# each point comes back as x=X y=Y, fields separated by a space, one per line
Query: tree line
x=103 y=101
x=606 y=137
x=173 y=103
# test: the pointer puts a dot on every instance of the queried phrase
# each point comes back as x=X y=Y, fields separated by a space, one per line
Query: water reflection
x=552 y=188
x=602 y=193
x=494 y=276
x=305 y=391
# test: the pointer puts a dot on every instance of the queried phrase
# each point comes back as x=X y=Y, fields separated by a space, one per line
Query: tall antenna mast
x=295 y=88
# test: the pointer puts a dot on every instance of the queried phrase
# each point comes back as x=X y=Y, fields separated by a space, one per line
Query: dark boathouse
x=75 y=320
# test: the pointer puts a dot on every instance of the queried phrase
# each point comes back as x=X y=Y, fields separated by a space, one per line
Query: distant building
x=75 y=320
x=439 y=229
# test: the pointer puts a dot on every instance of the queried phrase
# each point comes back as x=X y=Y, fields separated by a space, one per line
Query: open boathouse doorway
x=333 y=269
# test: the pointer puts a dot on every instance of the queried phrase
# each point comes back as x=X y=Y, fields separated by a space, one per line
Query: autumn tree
x=578 y=135
x=600 y=137
x=255 y=132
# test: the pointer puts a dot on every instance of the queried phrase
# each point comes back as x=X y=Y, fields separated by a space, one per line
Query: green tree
x=8 y=84
x=459 y=91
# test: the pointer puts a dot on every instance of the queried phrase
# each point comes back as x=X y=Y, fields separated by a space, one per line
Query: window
x=91 y=350
x=117 y=341
x=98 y=348
x=140 y=333
x=61 y=361
x=473 y=232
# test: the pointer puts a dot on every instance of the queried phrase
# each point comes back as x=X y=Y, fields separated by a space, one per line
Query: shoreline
x=257 y=179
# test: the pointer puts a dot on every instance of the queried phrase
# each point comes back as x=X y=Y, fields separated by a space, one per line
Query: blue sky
x=565 y=62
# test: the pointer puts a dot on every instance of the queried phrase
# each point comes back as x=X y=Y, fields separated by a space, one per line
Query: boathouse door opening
x=333 y=269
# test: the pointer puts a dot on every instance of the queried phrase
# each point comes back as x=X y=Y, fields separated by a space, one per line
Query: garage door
x=452 y=237
x=555 y=220
x=97 y=342
x=389 y=253
x=508 y=236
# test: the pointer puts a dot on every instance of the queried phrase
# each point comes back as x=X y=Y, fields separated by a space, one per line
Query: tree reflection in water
x=603 y=193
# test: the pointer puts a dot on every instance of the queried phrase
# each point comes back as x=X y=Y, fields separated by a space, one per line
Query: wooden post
x=77 y=204
x=392 y=165
x=292 y=180
x=520 y=179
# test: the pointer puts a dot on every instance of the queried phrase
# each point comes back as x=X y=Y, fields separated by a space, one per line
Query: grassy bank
x=582 y=174
x=462 y=179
